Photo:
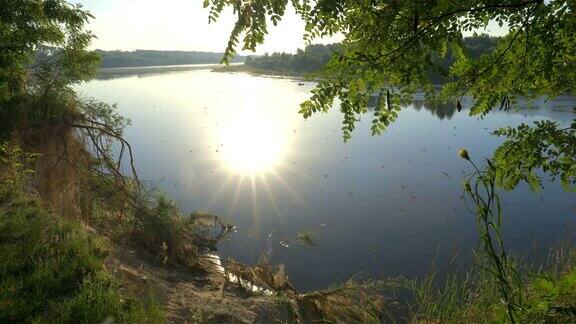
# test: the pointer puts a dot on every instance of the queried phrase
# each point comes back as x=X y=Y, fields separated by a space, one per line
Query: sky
x=183 y=25
x=178 y=25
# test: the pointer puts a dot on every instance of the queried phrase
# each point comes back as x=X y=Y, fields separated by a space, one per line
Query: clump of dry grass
x=264 y=275
x=351 y=302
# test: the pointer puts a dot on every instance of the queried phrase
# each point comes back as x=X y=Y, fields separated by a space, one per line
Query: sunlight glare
x=251 y=142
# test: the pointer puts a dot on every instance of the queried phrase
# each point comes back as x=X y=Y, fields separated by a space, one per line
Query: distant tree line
x=111 y=59
x=314 y=57
x=480 y=44
x=311 y=59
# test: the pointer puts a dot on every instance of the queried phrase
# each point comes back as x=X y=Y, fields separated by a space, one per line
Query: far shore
x=106 y=73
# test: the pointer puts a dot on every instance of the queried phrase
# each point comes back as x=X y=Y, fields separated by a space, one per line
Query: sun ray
x=302 y=176
x=236 y=194
x=209 y=176
x=277 y=212
x=215 y=197
x=286 y=186
x=255 y=215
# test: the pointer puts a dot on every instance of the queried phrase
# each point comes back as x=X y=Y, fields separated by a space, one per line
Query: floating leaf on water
x=446 y=174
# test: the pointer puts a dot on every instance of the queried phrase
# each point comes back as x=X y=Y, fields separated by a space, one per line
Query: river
x=233 y=144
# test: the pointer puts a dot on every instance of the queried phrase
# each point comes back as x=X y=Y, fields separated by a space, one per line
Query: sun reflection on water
x=249 y=145
x=252 y=138
x=252 y=141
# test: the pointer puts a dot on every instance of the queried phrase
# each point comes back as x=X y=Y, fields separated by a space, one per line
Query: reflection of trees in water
x=442 y=110
x=110 y=76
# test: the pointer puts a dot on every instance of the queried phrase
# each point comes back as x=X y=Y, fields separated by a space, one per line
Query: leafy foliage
x=42 y=51
x=14 y=165
x=392 y=44
x=544 y=146
x=480 y=187
x=252 y=20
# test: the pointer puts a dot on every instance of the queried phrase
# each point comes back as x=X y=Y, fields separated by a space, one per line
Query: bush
x=160 y=229
x=152 y=223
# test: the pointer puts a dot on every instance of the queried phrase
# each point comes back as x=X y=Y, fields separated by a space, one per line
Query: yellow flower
x=464 y=154
x=466 y=185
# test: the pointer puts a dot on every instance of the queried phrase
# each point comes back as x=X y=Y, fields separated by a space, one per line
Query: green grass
x=52 y=270
x=548 y=295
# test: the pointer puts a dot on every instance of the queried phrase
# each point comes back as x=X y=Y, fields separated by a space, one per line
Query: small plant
x=307 y=238
x=480 y=186
x=15 y=171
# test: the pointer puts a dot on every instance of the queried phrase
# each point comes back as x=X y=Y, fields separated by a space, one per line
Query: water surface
x=234 y=145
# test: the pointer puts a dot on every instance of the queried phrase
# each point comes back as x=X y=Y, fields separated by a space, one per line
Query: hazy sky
x=181 y=25
x=177 y=25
